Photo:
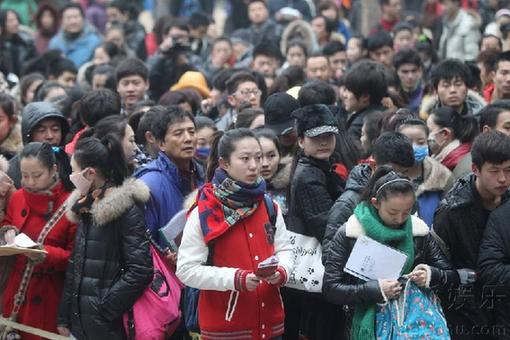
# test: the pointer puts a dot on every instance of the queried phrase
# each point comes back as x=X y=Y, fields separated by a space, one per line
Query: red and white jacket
x=225 y=311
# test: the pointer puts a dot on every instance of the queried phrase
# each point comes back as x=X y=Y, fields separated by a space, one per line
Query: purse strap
x=19 y=298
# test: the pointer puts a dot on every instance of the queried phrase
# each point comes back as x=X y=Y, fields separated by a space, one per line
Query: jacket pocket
x=231 y=305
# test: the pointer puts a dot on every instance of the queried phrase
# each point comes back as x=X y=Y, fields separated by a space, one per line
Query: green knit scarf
x=363 y=322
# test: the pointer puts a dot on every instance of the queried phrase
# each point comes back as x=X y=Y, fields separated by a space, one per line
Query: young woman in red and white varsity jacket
x=227 y=234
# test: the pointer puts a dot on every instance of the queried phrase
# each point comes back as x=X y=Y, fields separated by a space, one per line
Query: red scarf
x=454 y=157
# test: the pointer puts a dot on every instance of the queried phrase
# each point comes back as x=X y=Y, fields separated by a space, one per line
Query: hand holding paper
x=22 y=244
x=371 y=260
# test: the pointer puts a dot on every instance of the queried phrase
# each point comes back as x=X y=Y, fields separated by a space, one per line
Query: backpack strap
x=271 y=210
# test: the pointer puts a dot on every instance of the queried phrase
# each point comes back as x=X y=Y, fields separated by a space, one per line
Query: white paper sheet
x=371 y=260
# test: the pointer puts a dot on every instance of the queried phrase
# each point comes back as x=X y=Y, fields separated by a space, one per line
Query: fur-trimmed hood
x=474 y=103
x=354 y=229
x=13 y=143
x=281 y=180
x=115 y=203
x=437 y=177
x=4 y=164
x=302 y=31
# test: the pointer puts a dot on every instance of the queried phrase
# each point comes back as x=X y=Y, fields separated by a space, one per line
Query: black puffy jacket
x=460 y=222
x=314 y=188
x=111 y=264
x=16 y=50
x=344 y=206
x=344 y=289
x=494 y=265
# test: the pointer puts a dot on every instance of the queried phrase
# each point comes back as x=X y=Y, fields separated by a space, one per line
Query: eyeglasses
x=247 y=92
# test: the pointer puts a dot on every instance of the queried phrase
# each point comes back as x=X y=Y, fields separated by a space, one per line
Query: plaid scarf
x=224 y=202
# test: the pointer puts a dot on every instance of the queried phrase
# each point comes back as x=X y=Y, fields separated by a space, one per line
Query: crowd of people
x=123 y=122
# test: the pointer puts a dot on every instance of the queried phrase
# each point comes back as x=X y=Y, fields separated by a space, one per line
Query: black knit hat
x=314 y=120
x=277 y=110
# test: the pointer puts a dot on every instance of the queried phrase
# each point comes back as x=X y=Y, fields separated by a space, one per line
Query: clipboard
x=13 y=250
x=22 y=245
x=371 y=260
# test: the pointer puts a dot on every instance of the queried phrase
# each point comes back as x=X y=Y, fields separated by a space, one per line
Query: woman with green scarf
x=383 y=215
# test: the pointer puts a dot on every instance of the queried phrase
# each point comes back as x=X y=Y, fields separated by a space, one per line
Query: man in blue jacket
x=175 y=173
x=76 y=39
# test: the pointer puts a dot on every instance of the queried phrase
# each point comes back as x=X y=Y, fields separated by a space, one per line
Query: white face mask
x=81 y=183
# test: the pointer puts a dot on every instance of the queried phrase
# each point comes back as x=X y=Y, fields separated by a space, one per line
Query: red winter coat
x=29 y=213
x=223 y=311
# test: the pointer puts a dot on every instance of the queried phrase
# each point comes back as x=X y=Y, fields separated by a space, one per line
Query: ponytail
x=49 y=156
x=213 y=160
x=464 y=127
x=64 y=167
x=385 y=182
x=105 y=155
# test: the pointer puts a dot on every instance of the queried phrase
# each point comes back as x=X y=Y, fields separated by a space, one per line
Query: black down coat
x=494 y=265
x=344 y=289
x=111 y=264
x=314 y=189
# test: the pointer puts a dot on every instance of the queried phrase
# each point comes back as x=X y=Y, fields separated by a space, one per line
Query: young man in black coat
x=460 y=222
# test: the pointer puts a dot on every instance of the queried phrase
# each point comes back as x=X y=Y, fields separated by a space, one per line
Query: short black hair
x=98 y=104
x=268 y=49
x=403 y=26
x=121 y=5
x=221 y=78
x=176 y=22
x=199 y=19
x=406 y=56
x=489 y=115
x=171 y=115
x=450 y=69
x=503 y=56
x=393 y=147
x=223 y=38
x=61 y=66
x=318 y=54
x=367 y=77
x=316 y=92
x=490 y=147
x=378 y=40
x=131 y=67
x=145 y=122
x=333 y=47
x=71 y=5
x=254 y=1
x=238 y=78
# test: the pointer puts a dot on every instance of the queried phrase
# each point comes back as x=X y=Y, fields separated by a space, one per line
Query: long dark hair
x=48 y=156
x=223 y=145
x=104 y=154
